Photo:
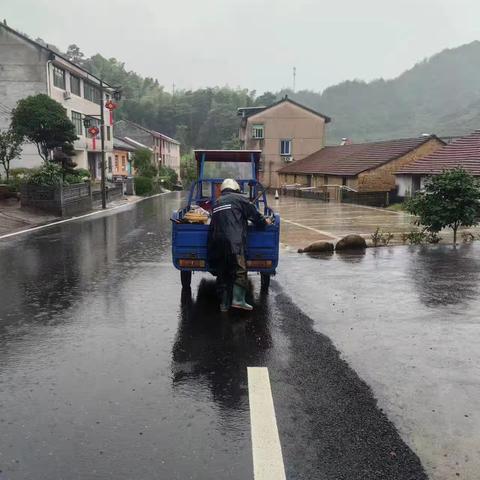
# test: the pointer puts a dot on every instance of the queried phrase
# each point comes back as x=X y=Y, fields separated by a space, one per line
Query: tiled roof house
x=463 y=152
x=364 y=167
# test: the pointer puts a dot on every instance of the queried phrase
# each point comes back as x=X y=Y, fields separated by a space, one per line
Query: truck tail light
x=259 y=264
x=189 y=263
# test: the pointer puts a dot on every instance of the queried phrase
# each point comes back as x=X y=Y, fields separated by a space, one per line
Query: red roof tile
x=463 y=152
x=350 y=160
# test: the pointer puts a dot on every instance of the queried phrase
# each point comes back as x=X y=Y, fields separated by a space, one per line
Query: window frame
x=79 y=119
x=55 y=70
x=258 y=127
x=108 y=133
x=283 y=142
x=91 y=92
x=79 y=94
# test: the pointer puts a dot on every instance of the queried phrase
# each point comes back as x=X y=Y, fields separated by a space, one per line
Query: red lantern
x=93 y=132
x=111 y=105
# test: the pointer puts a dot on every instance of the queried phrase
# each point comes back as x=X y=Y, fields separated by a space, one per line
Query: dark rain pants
x=232 y=272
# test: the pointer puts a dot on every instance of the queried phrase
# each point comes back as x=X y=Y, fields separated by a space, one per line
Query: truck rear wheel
x=186 y=278
x=264 y=282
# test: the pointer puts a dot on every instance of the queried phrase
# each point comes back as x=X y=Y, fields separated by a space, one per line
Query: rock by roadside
x=317 y=247
x=351 y=242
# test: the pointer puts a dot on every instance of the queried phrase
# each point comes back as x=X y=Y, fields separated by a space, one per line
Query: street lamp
x=117 y=95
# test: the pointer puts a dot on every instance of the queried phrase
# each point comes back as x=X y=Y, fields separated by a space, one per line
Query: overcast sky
x=253 y=43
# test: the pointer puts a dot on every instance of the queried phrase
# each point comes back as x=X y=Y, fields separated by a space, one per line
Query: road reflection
x=213 y=350
x=445 y=275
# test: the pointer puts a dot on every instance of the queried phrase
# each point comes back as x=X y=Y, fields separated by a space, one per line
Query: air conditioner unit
x=67 y=95
x=288 y=158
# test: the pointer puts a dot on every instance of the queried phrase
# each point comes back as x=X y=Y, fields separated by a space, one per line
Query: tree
x=265 y=100
x=63 y=157
x=142 y=162
x=10 y=148
x=44 y=122
x=188 y=169
x=451 y=199
x=75 y=55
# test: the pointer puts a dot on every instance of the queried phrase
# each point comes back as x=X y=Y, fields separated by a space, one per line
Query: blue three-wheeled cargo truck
x=190 y=224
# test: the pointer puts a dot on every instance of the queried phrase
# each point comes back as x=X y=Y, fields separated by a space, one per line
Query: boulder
x=351 y=242
x=317 y=247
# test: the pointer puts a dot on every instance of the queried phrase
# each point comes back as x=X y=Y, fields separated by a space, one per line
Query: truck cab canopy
x=227 y=155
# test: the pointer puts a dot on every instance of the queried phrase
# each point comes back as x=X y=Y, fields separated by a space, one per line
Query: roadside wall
x=59 y=200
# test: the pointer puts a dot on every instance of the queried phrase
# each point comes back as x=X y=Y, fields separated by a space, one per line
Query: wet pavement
x=306 y=221
x=14 y=218
x=109 y=370
x=407 y=319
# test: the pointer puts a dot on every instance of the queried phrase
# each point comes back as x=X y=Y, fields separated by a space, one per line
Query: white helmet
x=231 y=184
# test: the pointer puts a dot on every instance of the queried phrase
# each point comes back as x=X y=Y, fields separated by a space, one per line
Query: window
x=94 y=122
x=285 y=147
x=59 y=77
x=74 y=85
x=124 y=163
x=77 y=121
x=258 y=131
x=109 y=163
x=90 y=92
x=344 y=181
x=108 y=132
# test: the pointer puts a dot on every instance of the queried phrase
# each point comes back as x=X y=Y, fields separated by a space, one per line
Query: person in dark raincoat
x=227 y=243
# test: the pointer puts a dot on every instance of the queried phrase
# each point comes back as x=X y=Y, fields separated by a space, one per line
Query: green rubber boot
x=239 y=298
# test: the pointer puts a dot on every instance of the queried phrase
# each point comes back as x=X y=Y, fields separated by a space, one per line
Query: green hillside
x=439 y=95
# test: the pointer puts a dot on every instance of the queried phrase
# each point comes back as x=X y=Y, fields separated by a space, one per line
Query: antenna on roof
x=294 y=78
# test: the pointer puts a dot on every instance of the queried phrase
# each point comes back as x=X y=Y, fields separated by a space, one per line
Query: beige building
x=285 y=132
x=362 y=167
x=29 y=68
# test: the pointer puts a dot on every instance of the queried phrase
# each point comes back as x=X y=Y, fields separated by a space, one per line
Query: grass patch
x=397 y=207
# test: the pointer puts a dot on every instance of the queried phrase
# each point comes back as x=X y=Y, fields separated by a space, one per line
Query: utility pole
x=102 y=142
x=173 y=89
x=294 y=77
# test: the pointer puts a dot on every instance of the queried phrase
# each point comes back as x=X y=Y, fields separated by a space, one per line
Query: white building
x=29 y=68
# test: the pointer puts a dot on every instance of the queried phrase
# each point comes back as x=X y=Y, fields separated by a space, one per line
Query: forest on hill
x=438 y=95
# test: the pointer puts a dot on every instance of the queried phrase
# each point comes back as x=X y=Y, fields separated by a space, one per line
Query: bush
x=169 y=177
x=416 y=237
x=82 y=172
x=142 y=162
x=48 y=174
x=381 y=238
x=143 y=185
x=19 y=176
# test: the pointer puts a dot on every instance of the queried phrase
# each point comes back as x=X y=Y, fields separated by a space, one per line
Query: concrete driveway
x=305 y=221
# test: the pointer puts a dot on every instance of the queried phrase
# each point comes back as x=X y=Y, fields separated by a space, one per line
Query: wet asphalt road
x=109 y=371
